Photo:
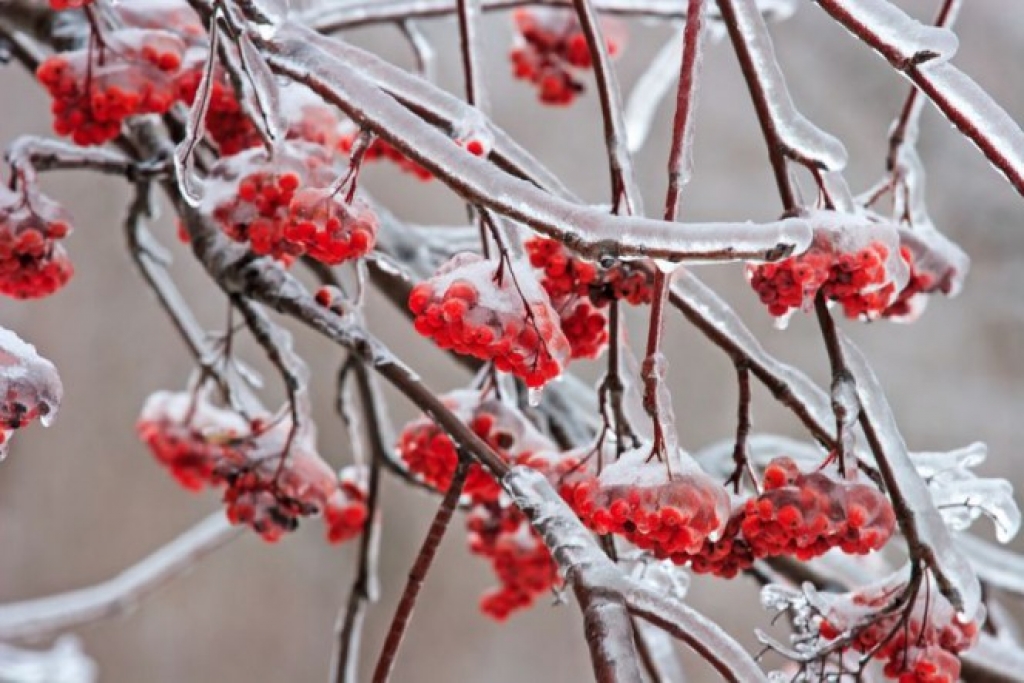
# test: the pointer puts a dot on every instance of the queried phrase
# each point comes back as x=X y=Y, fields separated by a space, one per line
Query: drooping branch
x=56 y=613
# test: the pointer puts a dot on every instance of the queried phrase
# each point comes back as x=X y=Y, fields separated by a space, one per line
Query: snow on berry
x=94 y=89
x=33 y=264
x=551 y=51
x=923 y=648
x=495 y=311
x=30 y=388
x=859 y=267
x=204 y=445
x=520 y=560
x=807 y=514
x=666 y=507
x=430 y=453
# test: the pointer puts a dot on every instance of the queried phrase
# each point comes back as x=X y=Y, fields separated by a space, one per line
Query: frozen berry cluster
x=127 y=73
x=860 y=268
x=495 y=311
x=206 y=446
x=551 y=51
x=33 y=263
x=580 y=290
x=429 y=452
x=923 y=648
x=30 y=388
x=520 y=560
x=668 y=508
x=257 y=199
x=805 y=515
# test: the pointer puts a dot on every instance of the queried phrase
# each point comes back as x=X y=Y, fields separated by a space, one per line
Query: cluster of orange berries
x=494 y=311
x=33 y=263
x=206 y=446
x=61 y=5
x=921 y=649
x=551 y=49
x=30 y=388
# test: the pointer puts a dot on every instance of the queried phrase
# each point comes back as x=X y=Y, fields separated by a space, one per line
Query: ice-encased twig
x=927 y=537
x=996 y=566
x=800 y=139
x=48 y=615
x=64 y=662
x=920 y=53
x=585 y=229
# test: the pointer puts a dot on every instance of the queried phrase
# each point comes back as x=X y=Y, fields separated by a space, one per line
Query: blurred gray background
x=83 y=499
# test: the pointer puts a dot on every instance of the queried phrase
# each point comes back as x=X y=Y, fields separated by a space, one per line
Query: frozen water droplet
x=534 y=396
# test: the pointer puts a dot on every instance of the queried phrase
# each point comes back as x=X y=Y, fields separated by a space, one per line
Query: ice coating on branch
x=30 y=387
x=64 y=662
x=650 y=90
x=956 y=578
x=978 y=107
x=961 y=496
x=994 y=565
x=801 y=138
x=908 y=39
x=264 y=89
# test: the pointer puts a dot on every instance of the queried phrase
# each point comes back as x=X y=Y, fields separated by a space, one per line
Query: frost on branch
x=961 y=496
x=271 y=475
x=64 y=662
x=493 y=310
x=29 y=386
x=856 y=265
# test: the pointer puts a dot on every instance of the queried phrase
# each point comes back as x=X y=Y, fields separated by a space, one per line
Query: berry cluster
x=33 y=263
x=519 y=558
x=807 y=514
x=256 y=199
x=30 y=388
x=936 y=265
x=862 y=273
x=430 y=453
x=203 y=445
x=579 y=290
x=495 y=311
x=921 y=649
x=94 y=89
x=667 y=514
x=551 y=49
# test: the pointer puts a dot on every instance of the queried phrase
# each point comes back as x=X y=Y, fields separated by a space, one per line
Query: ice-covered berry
x=495 y=311
x=94 y=89
x=33 y=262
x=666 y=507
x=858 y=267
